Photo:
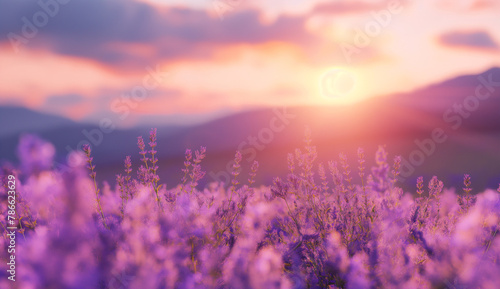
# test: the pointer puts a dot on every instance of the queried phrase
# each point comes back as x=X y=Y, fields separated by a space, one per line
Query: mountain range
x=446 y=129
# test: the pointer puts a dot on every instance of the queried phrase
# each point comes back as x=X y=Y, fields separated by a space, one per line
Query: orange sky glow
x=253 y=55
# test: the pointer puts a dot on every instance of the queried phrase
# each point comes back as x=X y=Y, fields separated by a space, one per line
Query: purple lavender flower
x=35 y=154
x=142 y=147
x=253 y=172
x=280 y=188
x=302 y=237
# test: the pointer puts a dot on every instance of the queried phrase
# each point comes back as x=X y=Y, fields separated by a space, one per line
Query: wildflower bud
x=279 y=189
x=140 y=143
x=467 y=184
x=86 y=149
x=397 y=166
x=420 y=185
x=128 y=165
x=381 y=156
x=361 y=162
x=291 y=162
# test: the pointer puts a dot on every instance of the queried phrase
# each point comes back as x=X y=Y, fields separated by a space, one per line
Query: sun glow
x=340 y=86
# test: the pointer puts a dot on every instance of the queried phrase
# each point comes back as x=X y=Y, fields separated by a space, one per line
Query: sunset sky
x=84 y=59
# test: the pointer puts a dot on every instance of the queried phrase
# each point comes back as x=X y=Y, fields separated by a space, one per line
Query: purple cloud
x=107 y=31
x=474 y=39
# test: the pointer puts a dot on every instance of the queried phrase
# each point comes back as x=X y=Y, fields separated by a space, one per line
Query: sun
x=339 y=85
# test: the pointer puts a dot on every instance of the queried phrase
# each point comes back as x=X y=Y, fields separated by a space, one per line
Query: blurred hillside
x=446 y=129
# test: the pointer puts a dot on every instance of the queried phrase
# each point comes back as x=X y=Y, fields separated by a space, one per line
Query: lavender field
x=317 y=228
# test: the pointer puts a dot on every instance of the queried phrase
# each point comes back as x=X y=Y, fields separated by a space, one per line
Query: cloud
x=61 y=101
x=471 y=5
x=483 y=4
x=347 y=7
x=471 y=39
x=130 y=33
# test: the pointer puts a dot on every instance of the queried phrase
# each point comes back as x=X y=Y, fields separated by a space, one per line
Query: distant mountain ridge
x=15 y=119
x=395 y=120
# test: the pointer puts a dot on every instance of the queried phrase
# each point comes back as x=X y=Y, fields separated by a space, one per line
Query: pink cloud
x=347 y=7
